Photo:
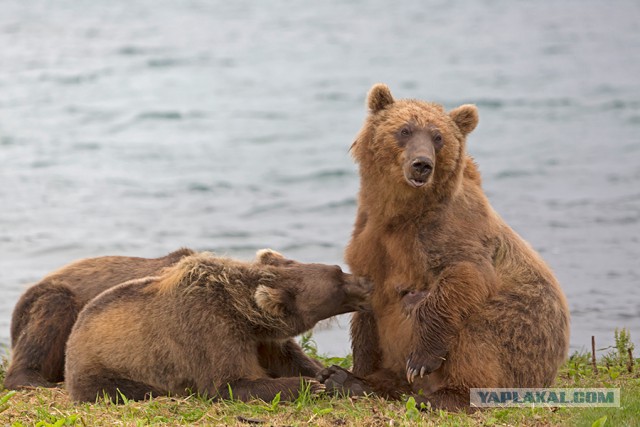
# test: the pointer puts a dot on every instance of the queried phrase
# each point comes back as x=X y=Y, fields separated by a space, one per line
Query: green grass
x=51 y=407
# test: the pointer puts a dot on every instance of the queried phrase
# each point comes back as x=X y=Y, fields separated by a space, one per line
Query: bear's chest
x=386 y=254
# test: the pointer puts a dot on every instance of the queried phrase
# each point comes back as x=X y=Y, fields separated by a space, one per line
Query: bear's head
x=412 y=146
x=304 y=294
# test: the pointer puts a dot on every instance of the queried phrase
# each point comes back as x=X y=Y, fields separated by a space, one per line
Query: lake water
x=138 y=127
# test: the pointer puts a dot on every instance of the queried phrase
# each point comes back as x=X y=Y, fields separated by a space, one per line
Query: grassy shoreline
x=51 y=407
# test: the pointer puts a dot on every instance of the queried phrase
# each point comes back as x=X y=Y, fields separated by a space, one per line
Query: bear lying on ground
x=201 y=327
x=459 y=300
x=44 y=315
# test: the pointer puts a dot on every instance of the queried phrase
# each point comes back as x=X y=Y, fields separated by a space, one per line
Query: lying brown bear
x=44 y=315
x=203 y=326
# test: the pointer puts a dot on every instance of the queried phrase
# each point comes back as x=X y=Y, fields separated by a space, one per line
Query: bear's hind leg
x=92 y=387
x=448 y=400
x=40 y=326
x=286 y=359
x=21 y=377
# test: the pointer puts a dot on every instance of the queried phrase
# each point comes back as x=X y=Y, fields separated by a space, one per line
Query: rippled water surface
x=137 y=127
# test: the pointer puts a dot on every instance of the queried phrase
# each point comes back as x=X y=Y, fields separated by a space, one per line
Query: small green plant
x=53 y=421
x=623 y=341
x=600 y=422
x=619 y=355
x=230 y=391
x=273 y=405
x=578 y=366
x=310 y=348
x=305 y=397
x=614 y=371
x=4 y=399
x=193 y=415
x=309 y=345
x=122 y=396
x=412 y=412
x=4 y=363
x=344 y=362
x=322 y=411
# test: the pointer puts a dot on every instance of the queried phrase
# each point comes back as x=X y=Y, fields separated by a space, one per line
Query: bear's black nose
x=422 y=165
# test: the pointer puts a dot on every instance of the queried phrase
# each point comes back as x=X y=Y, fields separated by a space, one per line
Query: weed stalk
x=593 y=354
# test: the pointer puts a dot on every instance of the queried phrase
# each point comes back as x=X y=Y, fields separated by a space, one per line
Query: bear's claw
x=422 y=366
x=316 y=387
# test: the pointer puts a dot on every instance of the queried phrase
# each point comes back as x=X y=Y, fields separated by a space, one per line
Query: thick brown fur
x=208 y=325
x=44 y=315
x=484 y=310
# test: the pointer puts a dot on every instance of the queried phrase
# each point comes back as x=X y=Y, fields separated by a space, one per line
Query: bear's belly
x=395 y=337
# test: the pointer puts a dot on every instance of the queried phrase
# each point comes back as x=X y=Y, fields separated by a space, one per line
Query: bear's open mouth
x=416 y=183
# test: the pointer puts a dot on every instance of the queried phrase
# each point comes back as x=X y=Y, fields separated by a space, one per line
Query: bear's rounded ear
x=466 y=117
x=271 y=301
x=271 y=257
x=379 y=97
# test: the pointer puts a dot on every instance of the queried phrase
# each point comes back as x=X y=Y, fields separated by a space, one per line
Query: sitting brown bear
x=460 y=300
x=44 y=315
x=203 y=326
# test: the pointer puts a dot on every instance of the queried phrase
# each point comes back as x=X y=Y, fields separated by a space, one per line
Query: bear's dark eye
x=437 y=140
x=403 y=293
x=405 y=131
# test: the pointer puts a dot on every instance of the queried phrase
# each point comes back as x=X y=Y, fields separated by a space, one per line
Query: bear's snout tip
x=417 y=171
x=360 y=286
x=357 y=293
x=422 y=166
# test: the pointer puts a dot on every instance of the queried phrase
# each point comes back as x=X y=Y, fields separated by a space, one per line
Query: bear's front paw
x=422 y=364
x=339 y=380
